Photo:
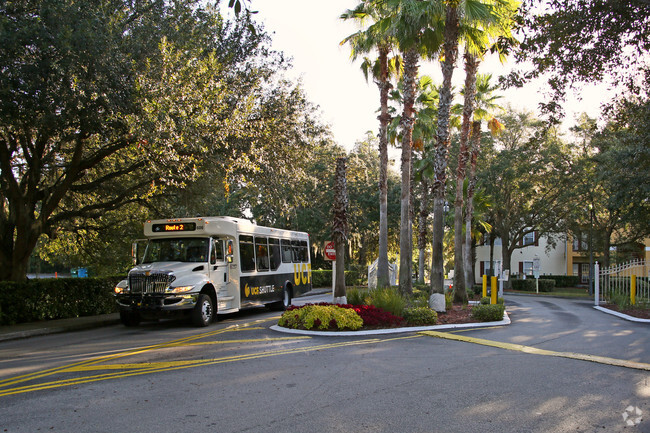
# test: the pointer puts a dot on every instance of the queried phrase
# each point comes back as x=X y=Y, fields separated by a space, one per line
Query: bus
x=206 y=266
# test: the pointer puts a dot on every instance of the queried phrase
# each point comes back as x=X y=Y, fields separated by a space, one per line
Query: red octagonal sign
x=330 y=251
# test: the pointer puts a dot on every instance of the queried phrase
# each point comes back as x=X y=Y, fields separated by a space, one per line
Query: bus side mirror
x=137 y=251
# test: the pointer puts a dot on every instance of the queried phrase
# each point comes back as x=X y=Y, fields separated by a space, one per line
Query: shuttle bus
x=206 y=266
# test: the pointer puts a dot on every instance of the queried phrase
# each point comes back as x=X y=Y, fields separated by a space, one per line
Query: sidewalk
x=33 y=329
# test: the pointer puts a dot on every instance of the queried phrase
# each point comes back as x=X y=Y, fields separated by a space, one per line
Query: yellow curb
x=535 y=351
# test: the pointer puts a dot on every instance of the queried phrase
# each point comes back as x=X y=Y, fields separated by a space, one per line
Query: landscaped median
x=396 y=314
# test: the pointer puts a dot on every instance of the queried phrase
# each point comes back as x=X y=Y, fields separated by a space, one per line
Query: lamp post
x=591 y=250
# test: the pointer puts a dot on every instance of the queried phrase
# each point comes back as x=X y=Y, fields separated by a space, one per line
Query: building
x=567 y=257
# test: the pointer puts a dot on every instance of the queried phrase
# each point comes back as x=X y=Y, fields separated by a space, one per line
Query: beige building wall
x=552 y=261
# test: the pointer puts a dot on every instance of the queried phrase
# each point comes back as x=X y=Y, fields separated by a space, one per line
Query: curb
x=621 y=315
x=64 y=325
x=505 y=321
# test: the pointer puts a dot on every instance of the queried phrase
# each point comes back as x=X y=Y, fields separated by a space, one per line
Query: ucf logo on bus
x=255 y=291
x=301 y=273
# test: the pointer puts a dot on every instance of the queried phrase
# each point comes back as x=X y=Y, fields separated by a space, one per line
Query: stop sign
x=330 y=251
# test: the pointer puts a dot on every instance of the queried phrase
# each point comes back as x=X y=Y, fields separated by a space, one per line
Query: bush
x=323 y=278
x=564 y=280
x=529 y=285
x=488 y=313
x=356 y=296
x=486 y=300
x=388 y=299
x=60 y=298
x=420 y=316
x=376 y=317
x=321 y=317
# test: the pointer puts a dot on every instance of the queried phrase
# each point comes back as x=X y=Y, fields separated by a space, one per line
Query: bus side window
x=286 y=252
x=247 y=253
x=262 y=253
x=296 y=251
x=275 y=253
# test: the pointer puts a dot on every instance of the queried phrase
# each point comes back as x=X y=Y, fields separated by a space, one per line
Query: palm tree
x=416 y=25
x=474 y=21
x=485 y=106
x=377 y=37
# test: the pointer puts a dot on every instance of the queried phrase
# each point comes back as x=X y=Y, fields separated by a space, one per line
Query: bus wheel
x=203 y=312
x=129 y=318
x=284 y=303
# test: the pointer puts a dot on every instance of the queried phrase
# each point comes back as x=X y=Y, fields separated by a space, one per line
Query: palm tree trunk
x=475 y=143
x=340 y=228
x=411 y=58
x=450 y=52
x=422 y=226
x=471 y=66
x=384 y=118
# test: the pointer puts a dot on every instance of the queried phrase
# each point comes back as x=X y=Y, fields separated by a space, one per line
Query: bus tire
x=203 y=312
x=285 y=302
x=129 y=318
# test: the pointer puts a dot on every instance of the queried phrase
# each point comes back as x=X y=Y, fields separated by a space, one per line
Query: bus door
x=220 y=273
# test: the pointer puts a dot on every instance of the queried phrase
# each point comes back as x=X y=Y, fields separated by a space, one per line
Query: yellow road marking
x=135 y=369
x=49 y=372
x=535 y=351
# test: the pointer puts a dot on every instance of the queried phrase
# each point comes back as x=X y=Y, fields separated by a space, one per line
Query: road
x=239 y=376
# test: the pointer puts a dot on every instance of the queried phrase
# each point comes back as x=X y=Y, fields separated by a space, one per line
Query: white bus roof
x=219 y=225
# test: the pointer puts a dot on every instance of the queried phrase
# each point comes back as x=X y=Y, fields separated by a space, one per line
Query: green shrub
x=420 y=316
x=529 y=285
x=56 y=298
x=486 y=301
x=488 y=313
x=321 y=278
x=321 y=317
x=356 y=296
x=388 y=299
x=477 y=290
x=564 y=280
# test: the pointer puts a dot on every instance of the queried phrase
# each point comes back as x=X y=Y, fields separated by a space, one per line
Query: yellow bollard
x=493 y=298
x=484 y=285
x=633 y=290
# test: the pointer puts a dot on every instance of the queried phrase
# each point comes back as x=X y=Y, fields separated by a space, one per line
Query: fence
x=618 y=281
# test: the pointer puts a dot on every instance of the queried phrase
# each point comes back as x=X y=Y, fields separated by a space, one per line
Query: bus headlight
x=180 y=289
x=121 y=288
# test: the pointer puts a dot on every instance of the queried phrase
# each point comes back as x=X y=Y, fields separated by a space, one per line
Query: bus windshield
x=177 y=250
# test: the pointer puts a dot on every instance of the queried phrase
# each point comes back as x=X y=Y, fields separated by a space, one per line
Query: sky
x=310 y=33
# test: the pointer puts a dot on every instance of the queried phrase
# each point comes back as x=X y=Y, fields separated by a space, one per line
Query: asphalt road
x=560 y=366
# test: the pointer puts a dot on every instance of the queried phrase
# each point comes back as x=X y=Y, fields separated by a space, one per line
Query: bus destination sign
x=173 y=227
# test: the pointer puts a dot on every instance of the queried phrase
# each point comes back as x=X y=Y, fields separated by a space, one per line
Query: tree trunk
x=383 y=279
x=471 y=66
x=469 y=252
x=411 y=58
x=422 y=226
x=340 y=229
x=450 y=52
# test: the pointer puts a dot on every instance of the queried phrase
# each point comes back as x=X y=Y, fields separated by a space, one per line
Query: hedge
x=323 y=278
x=529 y=285
x=61 y=298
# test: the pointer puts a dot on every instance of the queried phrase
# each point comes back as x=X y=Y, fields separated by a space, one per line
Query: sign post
x=536 y=268
x=330 y=255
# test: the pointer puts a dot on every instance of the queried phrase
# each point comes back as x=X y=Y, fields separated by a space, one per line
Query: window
x=216 y=255
x=262 y=253
x=300 y=252
x=527 y=268
x=580 y=242
x=247 y=253
x=177 y=250
x=276 y=255
x=287 y=252
x=530 y=238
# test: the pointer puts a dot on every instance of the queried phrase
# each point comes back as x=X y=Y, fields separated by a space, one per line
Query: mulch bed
x=457 y=314
x=640 y=313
